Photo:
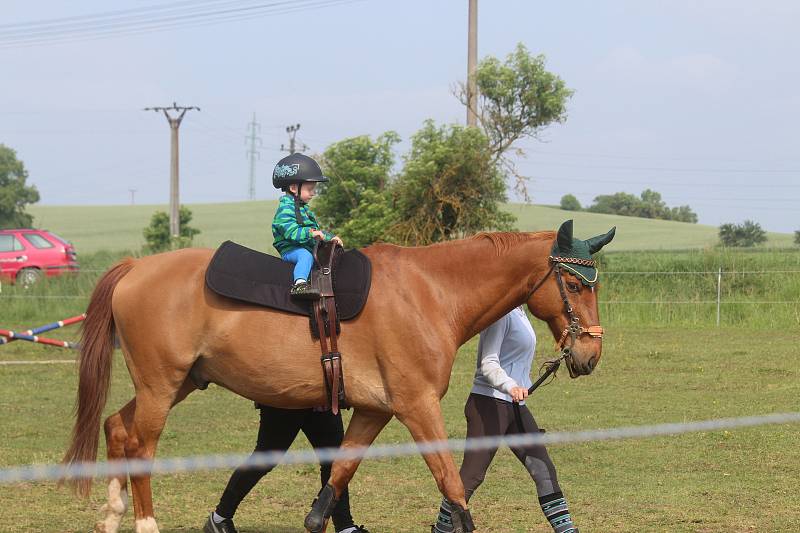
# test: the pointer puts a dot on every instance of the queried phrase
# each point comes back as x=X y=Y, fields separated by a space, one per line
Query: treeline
x=647 y=205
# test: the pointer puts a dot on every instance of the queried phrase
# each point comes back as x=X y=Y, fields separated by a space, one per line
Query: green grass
x=741 y=480
x=94 y=228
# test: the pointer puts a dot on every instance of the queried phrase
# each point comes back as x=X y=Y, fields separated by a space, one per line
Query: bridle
x=574 y=328
x=571 y=332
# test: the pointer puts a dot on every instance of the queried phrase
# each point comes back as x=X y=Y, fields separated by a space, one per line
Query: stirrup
x=304 y=291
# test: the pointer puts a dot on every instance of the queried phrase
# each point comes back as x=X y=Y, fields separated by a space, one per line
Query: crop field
x=94 y=228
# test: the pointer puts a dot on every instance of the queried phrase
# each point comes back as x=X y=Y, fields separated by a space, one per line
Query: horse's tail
x=94 y=373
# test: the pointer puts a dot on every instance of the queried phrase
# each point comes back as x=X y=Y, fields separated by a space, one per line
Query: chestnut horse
x=398 y=353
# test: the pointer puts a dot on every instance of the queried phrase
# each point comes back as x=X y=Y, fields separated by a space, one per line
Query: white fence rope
x=263 y=459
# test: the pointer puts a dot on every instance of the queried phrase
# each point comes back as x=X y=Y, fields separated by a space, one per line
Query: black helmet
x=296 y=168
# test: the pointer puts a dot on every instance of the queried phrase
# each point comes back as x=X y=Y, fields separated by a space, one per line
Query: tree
x=797 y=237
x=450 y=187
x=570 y=203
x=158 y=236
x=620 y=203
x=355 y=202
x=648 y=205
x=14 y=194
x=516 y=98
x=746 y=234
x=683 y=213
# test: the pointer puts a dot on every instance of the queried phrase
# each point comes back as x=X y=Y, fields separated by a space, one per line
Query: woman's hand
x=317 y=234
x=519 y=393
x=338 y=240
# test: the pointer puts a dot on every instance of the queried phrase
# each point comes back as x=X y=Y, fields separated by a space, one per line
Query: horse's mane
x=505 y=240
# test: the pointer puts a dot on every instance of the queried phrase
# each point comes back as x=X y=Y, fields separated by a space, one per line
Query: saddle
x=343 y=279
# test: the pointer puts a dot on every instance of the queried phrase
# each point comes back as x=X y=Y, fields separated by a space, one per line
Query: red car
x=28 y=254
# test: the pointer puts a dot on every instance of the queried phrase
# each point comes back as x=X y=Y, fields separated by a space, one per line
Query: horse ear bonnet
x=567 y=246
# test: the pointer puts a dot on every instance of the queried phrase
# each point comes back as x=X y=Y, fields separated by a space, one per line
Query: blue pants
x=303 y=261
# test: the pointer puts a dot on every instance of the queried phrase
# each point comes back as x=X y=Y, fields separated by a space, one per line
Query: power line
x=112 y=27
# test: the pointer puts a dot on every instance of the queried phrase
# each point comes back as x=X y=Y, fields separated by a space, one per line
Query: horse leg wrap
x=461 y=519
x=321 y=510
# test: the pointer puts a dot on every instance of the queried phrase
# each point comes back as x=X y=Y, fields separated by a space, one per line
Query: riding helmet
x=296 y=168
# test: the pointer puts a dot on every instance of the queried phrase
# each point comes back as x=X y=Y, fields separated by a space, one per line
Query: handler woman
x=505 y=356
x=276 y=432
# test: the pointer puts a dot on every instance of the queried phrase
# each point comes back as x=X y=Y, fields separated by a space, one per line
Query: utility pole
x=174 y=124
x=253 y=152
x=133 y=192
x=292 y=131
x=472 y=62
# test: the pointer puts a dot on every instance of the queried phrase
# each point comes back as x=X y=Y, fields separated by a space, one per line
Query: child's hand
x=519 y=393
x=338 y=240
x=317 y=234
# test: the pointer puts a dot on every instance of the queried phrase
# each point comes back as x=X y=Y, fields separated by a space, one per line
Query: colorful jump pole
x=32 y=335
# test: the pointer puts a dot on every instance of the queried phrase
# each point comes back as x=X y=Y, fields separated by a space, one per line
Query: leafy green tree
x=14 y=194
x=797 y=237
x=450 y=187
x=683 y=213
x=747 y=234
x=517 y=98
x=648 y=205
x=355 y=202
x=158 y=236
x=620 y=203
x=570 y=203
x=354 y=166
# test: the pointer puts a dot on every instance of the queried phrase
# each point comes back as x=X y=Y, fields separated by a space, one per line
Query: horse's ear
x=565 y=236
x=595 y=243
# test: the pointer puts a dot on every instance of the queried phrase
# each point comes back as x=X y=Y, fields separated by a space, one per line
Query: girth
x=324 y=317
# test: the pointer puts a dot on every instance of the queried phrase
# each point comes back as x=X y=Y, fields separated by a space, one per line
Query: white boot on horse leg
x=146 y=525
x=114 y=509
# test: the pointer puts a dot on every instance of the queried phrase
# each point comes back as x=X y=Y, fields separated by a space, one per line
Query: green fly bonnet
x=575 y=255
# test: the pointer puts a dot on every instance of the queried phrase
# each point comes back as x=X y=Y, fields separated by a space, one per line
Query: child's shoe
x=302 y=290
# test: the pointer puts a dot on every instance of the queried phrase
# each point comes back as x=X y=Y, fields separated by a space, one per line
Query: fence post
x=719 y=291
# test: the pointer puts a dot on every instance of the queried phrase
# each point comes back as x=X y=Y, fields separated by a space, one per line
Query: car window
x=37 y=240
x=9 y=243
x=58 y=237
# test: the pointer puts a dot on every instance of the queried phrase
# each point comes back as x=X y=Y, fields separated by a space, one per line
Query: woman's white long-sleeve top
x=505 y=356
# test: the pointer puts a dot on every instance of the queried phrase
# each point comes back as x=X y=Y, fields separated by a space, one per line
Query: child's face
x=307 y=192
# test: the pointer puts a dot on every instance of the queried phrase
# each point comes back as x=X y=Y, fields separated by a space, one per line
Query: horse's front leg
x=361 y=432
x=423 y=418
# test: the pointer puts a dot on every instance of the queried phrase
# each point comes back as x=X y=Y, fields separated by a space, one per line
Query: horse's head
x=566 y=298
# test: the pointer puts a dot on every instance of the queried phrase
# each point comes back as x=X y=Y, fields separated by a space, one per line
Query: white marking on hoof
x=146 y=525
x=114 y=509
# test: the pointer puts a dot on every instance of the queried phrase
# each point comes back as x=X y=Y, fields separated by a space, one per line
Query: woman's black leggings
x=488 y=417
x=276 y=432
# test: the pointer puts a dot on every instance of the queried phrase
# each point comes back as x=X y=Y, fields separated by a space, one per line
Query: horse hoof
x=310 y=530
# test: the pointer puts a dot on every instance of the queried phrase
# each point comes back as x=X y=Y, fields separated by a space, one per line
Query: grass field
x=743 y=480
x=94 y=228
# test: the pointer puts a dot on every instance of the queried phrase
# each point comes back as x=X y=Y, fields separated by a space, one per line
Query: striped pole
x=31 y=335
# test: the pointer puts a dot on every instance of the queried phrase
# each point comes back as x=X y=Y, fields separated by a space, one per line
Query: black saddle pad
x=243 y=274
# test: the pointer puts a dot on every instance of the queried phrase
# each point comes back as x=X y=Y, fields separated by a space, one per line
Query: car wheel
x=28 y=276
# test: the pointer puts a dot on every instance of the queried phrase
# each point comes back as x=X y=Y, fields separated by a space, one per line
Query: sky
x=696 y=99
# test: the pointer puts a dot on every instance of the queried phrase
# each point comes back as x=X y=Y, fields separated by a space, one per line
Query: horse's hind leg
x=361 y=432
x=425 y=422
x=116 y=435
x=150 y=414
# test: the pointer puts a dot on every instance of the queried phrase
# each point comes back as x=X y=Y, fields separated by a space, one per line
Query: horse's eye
x=573 y=287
